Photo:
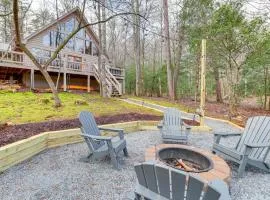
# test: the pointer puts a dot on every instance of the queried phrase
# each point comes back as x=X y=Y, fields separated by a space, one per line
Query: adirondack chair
x=172 y=127
x=252 y=148
x=157 y=182
x=101 y=146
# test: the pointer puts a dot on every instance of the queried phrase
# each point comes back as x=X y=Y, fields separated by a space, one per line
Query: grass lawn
x=164 y=102
x=24 y=107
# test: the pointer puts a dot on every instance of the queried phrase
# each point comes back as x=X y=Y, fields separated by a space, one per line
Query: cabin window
x=70 y=44
x=95 y=50
x=47 y=39
x=88 y=47
x=87 y=36
x=69 y=25
x=79 y=46
x=41 y=55
x=74 y=59
x=60 y=27
x=81 y=34
x=59 y=38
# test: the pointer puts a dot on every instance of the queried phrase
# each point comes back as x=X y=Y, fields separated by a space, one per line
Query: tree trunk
x=19 y=44
x=168 y=50
x=218 y=86
x=265 y=87
x=57 y=101
x=125 y=46
x=105 y=93
x=100 y=51
x=143 y=63
x=137 y=46
x=179 y=57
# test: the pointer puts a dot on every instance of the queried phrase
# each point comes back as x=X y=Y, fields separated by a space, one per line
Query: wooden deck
x=88 y=67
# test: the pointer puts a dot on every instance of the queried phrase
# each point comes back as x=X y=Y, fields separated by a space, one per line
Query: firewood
x=187 y=168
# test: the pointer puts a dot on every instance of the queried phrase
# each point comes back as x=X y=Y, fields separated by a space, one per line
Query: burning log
x=181 y=164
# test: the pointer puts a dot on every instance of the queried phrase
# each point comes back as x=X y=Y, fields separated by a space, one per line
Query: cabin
x=76 y=66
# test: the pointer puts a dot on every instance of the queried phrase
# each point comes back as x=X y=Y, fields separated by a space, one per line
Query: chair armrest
x=250 y=146
x=225 y=134
x=110 y=129
x=97 y=137
x=186 y=125
x=160 y=124
x=219 y=135
x=119 y=130
x=257 y=145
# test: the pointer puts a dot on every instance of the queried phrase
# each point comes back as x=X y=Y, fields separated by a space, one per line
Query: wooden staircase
x=113 y=86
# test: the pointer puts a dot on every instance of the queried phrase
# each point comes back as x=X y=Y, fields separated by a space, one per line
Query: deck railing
x=117 y=71
x=56 y=63
x=12 y=57
x=19 y=58
x=79 y=66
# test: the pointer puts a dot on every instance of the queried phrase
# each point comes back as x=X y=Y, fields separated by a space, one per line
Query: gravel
x=60 y=174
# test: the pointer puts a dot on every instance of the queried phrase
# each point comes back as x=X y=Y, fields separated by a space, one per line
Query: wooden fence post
x=203 y=65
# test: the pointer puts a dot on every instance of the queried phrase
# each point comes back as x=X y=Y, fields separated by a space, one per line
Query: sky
x=252 y=6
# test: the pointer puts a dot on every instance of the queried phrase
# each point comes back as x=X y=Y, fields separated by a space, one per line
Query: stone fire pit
x=212 y=166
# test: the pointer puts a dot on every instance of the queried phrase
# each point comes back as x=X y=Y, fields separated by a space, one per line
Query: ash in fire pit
x=185 y=159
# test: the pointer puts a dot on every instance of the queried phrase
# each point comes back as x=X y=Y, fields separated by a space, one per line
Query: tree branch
x=16 y=22
x=5 y=14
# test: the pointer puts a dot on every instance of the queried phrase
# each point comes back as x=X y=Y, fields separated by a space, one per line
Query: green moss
x=23 y=107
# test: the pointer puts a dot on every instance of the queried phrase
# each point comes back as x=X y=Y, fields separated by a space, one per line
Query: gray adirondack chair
x=101 y=146
x=252 y=148
x=164 y=183
x=172 y=127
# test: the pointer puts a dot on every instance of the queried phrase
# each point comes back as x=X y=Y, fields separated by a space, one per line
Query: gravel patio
x=59 y=174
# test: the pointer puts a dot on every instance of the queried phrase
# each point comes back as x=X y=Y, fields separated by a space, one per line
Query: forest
x=158 y=44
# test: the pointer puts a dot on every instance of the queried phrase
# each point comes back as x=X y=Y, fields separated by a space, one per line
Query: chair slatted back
x=89 y=127
x=178 y=180
x=173 y=184
x=172 y=119
x=257 y=131
x=195 y=188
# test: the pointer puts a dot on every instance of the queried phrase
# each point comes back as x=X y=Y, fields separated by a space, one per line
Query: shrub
x=45 y=101
x=80 y=102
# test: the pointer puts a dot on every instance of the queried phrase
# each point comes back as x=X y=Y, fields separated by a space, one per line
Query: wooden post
x=203 y=65
x=65 y=81
x=88 y=83
x=124 y=85
x=32 y=79
x=65 y=73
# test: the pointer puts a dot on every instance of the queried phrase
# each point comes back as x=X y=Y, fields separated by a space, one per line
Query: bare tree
x=137 y=46
x=168 y=50
x=43 y=69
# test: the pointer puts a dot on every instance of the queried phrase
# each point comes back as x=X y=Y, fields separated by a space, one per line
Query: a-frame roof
x=76 y=11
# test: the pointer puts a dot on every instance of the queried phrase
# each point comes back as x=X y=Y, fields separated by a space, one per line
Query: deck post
x=32 y=79
x=65 y=81
x=124 y=86
x=88 y=83
x=65 y=73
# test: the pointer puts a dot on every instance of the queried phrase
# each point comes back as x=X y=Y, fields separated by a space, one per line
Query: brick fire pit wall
x=220 y=169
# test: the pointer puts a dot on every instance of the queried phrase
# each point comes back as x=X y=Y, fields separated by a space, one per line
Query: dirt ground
x=213 y=109
x=13 y=133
